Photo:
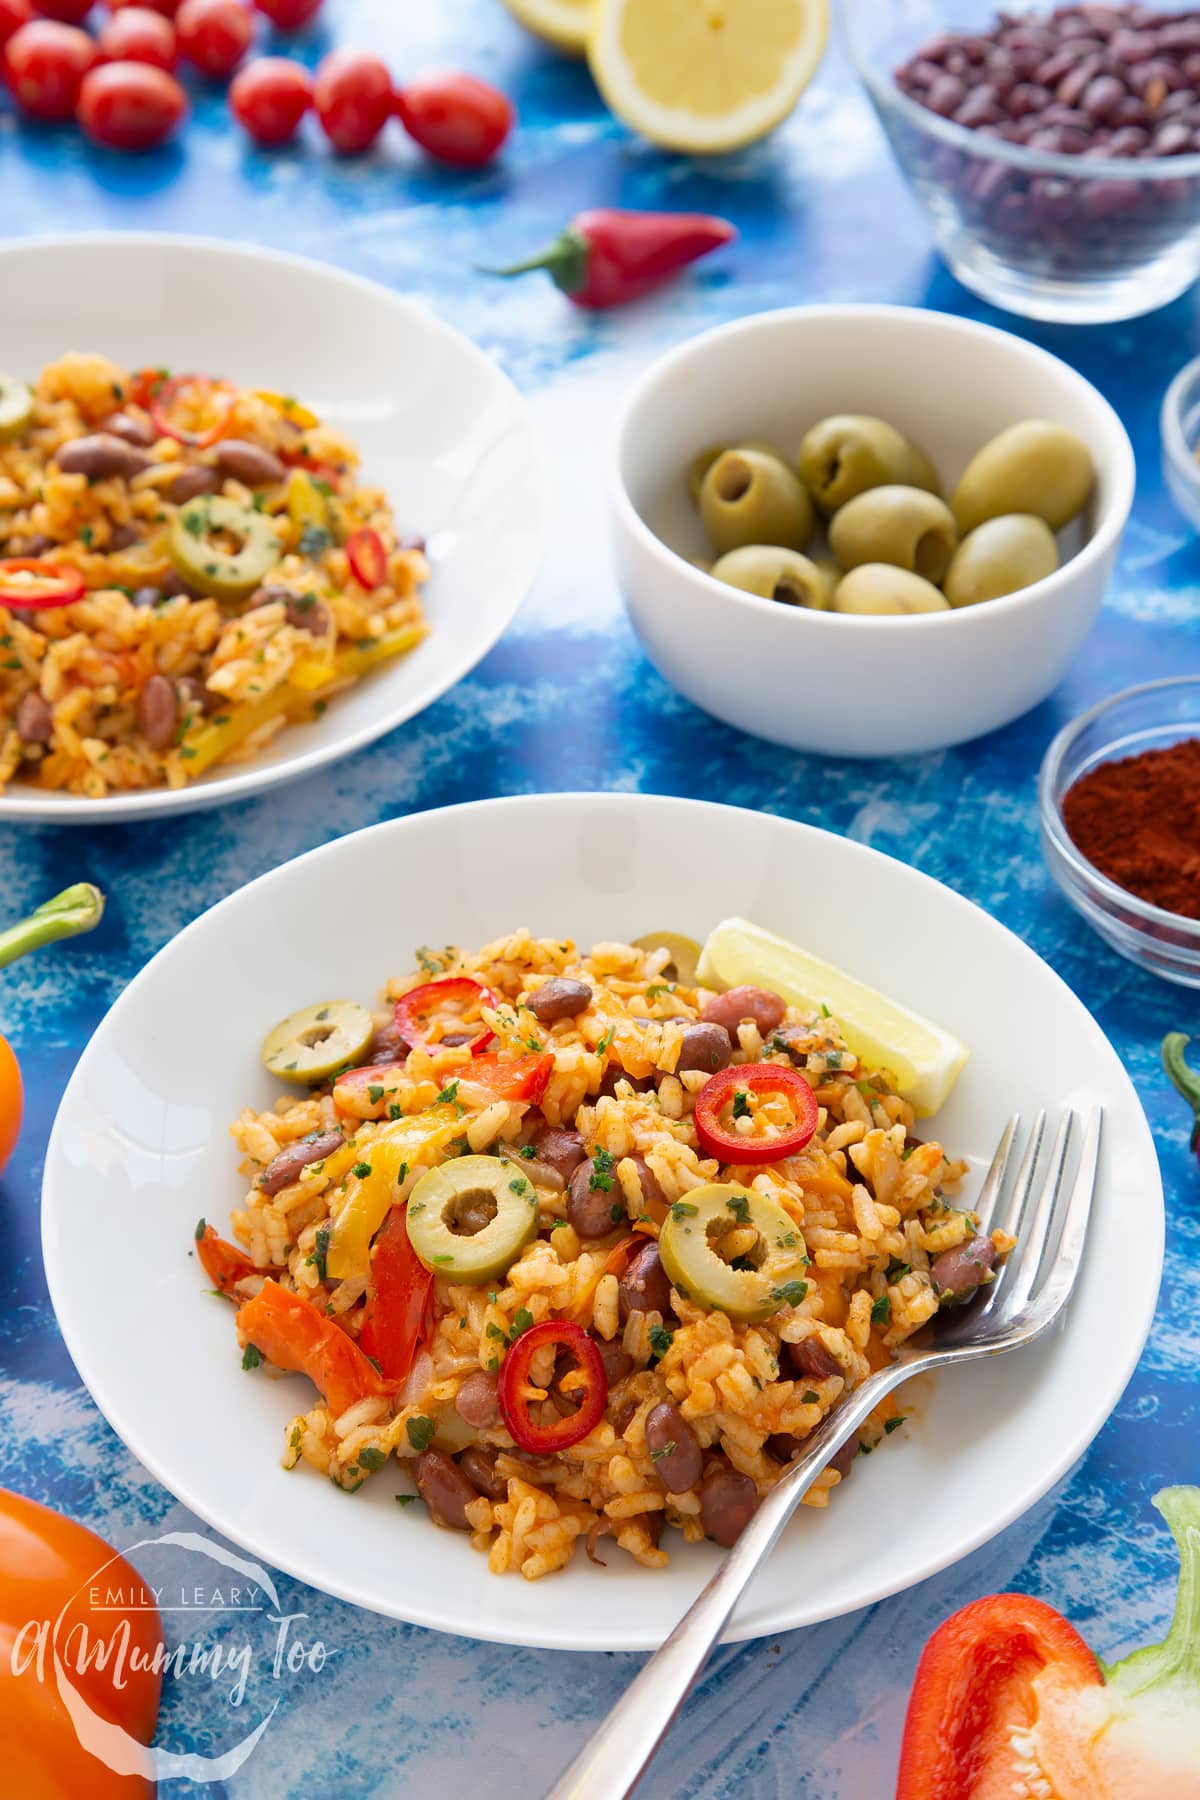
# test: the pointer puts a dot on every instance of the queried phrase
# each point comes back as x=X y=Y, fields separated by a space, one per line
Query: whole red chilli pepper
x=1183 y=1078
x=608 y=257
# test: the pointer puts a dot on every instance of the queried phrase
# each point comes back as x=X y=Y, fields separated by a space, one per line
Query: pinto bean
x=479 y=1467
x=957 y=1273
x=173 y=585
x=617 y=1362
x=249 y=463
x=645 y=1285
x=306 y=613
x=36 y=544
x=766 y=1010
x=706 y=1047
x=444 y=1489
x=560 y=1149
x=35 y=721
x=811 y=1361
x=590 y=1208
x=674 y=1448
x=843 y=1462
x=641 y=1084
x=652 y=1194
x=194 y=697
x=783 y=1446
x=189 y=484
x=125 y=426
x=102 y=457
x=387 y=1045
x=477 y=1401
x=288 y=1166
x=158 y=712
x=728 y=1502
x=558 y=999
x=122 y=537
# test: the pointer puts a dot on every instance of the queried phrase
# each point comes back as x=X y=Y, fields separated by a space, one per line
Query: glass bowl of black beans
x=1056 y=150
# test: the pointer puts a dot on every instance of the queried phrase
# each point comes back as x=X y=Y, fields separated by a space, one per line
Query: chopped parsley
x=395 y=1111
x=616 y=1214
x=791 y=1293
x=370 y=1458
x=320 y=1252
x=660 y=1339
x=447 y=1259
x=667 y=1450
x=890 y=1425
x=448 y=1095
x=810 y=1399
x=519 y=1186
x=606 y=1041
x=825 y=1012
x=362 y=1170
x=250 y=1357
x=522 y=1320
x=86 y=535
x=315 y=540
x=428 y=961
x=375 y=1094
x=201 y=1228
x=527 y=1151
x=741 y=1104
x=896 y=1269
x=660 y=987
x=739 y=1206
x=683 y=1209
x=421 y=1432
x=404 y=1499
x=881 y=1312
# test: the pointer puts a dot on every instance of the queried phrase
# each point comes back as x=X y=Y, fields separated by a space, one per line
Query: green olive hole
x=734 y=479
x=470 y=1213
x=717 y=1230
x=789 y=592
x=929 y=557
x=316 y=1034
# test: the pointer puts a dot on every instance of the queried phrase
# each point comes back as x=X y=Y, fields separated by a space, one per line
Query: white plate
x=141 y=1150
x=439 y=428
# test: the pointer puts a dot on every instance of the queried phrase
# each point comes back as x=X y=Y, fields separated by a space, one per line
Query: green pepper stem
x=1176 y=1661
x=76 y=910
x=1184 y=1079
x=565 y=261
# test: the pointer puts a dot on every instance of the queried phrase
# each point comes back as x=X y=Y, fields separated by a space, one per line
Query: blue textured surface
x=567 y=701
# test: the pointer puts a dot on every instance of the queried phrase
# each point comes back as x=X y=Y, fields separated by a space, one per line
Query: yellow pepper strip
x=305 y=501
x=404 y=1144
x=288 y=408
x=212 y=741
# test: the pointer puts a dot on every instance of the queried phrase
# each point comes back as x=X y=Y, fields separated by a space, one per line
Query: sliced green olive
x=689 y=1245
x=470 y=1219
x=200 y=535
x=685 y=954
x=16 y=407
x=311 y=1045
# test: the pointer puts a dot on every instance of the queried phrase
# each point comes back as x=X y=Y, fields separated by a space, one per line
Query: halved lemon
x=924 y=1059
x=705 y=75
x=561 y=22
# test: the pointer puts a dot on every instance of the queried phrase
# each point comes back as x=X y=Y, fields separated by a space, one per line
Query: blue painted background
x=567 y=701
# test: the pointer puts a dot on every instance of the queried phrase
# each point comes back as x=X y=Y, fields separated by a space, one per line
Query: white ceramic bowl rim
x=1102 y=540
x=1042 y=162
x=243 y=781
x=1065 y=844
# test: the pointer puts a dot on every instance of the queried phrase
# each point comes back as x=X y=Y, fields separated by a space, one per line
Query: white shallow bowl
x=439 y=428
x=141 y=1150
x=826 y=682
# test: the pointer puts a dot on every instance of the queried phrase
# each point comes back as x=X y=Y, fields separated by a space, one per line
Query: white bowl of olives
x=866 y=530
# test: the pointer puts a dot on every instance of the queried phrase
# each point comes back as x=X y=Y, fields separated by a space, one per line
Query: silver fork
x=1049 y=1217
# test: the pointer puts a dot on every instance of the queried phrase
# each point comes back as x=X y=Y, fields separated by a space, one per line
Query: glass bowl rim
x=888 y=94
x=1102 y=888
x=1171 y=426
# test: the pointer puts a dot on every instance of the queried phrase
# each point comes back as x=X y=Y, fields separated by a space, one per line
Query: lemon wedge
x=560 y=22
x=925 y=1060
x=705 y=75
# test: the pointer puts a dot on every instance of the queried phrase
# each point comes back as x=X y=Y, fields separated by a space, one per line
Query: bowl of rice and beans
x=587 y=1247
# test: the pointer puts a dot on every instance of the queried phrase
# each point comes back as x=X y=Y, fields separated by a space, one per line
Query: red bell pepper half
x=429 y=1017
x=295 y=1335
x=393 y=1323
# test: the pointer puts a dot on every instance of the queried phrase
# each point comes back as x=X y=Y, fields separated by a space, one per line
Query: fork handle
x=614 y=1760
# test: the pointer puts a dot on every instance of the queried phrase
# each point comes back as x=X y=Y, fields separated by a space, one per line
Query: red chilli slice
x=729 y=1146
x=517 y=1399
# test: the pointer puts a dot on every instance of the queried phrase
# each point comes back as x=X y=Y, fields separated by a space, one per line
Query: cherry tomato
x=14 y=14
x=353 y=98
x=455 y=118
x=214 y=35
x=136 y=34
x=289 y=15
x=67 y=12
x=45 y=63
x=12 y=1101
x=168 y=8
x=130 y=106
x=48 y=1564
x=270 y=97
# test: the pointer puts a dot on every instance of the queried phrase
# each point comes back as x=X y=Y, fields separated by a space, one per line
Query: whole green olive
x=999 y=557
x=748 y=497
x=883 y=588
x=703 y=463
x=1034 y=467
x=844 y=456
x=906 y=526
x=775 y=574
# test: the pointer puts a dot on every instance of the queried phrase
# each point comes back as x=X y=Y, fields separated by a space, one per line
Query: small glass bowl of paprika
x=1119 y=799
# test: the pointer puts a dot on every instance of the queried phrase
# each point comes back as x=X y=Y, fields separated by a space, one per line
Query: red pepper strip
x=975 y=1686
x=216 y=395
x=730 y=1146
x=223 y=1263
x=516 y=1403
x=521 y=1078
x=609 y=257
x=293 y=1334
x=367 y=557
x=27 y=584
x=368 y=1093
x=394 y=1321
x=414 y=1012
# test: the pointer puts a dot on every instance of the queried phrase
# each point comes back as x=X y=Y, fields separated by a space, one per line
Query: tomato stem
x=1183 y=1078
x=76 y=910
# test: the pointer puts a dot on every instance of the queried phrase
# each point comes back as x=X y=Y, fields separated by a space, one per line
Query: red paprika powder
x=1138 y=821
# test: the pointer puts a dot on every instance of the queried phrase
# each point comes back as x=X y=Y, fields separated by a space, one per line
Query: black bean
x=477 y=1401
x=705 y=1047
x=673 y=1447
x=558 y=999
x=158 y=712
x=444 y=1489
x=35 y=720
x=645 y=1285
x=728 y=1502
x=101 y=457
x=592 y=1198
x=479 y=1467
x=287 y=1167
x=957 y=1273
